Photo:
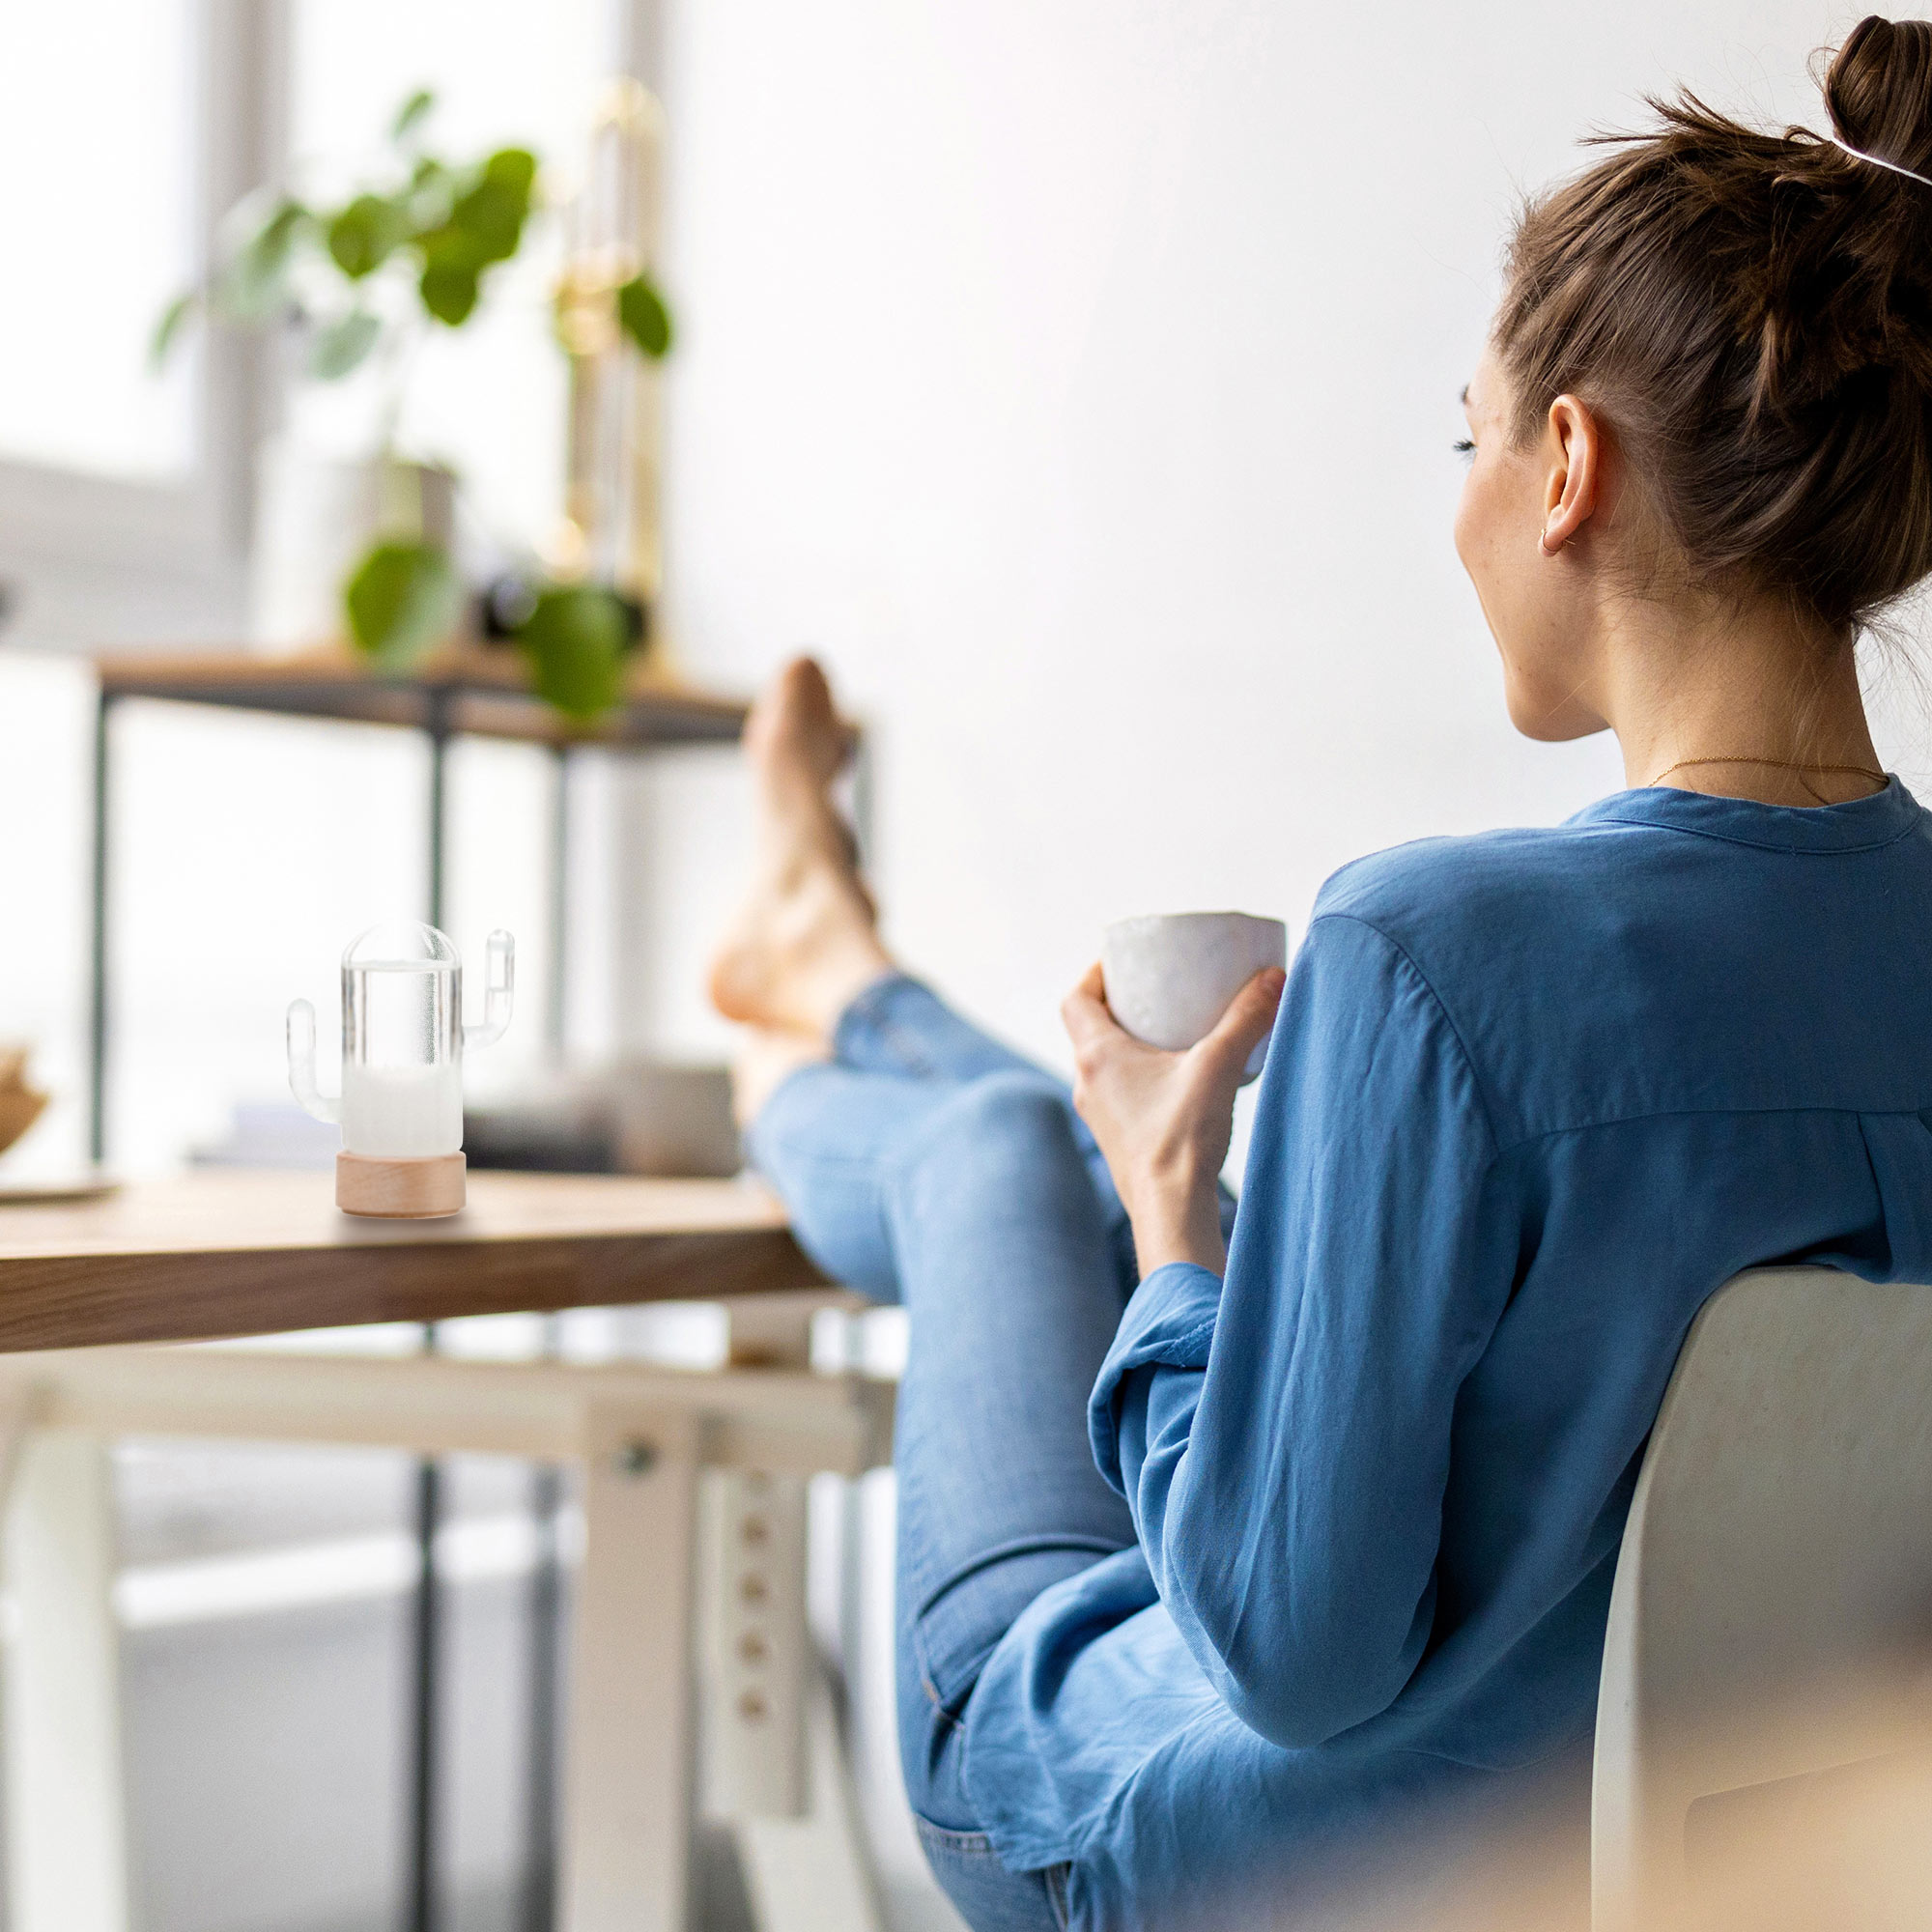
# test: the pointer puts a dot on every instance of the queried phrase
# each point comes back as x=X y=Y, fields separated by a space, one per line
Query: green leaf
x=492 y=217
x=449 y=289
x=411 y=114
x=493 y=212
x=169 y=327
x=402 y=600
x=425 y=203
x=462 y=237
x=341 y=345
x=645 y=319
x=453 y=264
x=576 y=641
x=514 y=169
x=365 y=234
x=254 y=283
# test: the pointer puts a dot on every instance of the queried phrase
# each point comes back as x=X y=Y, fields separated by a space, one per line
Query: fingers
x=1246 y=1022
x=1092 y=1028
x=1083 y=1012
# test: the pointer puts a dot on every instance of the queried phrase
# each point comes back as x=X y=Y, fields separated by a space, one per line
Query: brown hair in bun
x=1751 y=315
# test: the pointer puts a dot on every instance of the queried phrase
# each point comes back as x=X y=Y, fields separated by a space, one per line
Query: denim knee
x=997 y=1117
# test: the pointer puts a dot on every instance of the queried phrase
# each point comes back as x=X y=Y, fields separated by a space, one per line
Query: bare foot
x=764 y=1060
x=796 y=744
x=801 y=948
x=794 y=736
x=806 y=939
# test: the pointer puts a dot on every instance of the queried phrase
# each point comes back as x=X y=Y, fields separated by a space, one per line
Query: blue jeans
x=927 y=1164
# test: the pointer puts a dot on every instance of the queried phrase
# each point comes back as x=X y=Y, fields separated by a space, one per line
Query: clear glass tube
x=499 y=981
x=301 y=1063
x=402 y=1040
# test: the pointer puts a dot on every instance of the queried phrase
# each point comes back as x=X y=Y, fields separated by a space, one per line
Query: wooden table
x=235 y=1253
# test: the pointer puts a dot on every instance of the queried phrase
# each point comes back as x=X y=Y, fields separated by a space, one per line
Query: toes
x=797 y=695
x=806 y=684
x=796 y=723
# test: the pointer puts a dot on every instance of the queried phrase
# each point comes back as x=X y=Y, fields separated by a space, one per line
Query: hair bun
x=1751 y=313
x=1877 y=91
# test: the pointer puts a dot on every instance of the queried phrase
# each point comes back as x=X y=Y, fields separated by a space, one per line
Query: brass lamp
x=609 y=532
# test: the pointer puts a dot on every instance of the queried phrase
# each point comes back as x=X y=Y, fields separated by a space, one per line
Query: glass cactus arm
x=500 y=979
x=301 y=1063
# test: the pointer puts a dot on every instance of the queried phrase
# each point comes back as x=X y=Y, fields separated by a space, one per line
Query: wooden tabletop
x=244 y=1252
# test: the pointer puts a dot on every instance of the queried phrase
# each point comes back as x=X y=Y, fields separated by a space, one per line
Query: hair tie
x=1878 y=162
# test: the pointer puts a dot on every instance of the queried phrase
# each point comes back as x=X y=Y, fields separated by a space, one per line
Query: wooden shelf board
x=479 y=688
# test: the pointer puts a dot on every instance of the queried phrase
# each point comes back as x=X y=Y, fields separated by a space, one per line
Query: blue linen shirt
x=1531 y=1097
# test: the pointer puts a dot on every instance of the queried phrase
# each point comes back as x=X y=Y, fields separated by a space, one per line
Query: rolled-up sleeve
x=1282 y=1436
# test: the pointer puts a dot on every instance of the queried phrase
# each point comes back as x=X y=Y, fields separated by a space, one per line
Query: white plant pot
x=315 y=518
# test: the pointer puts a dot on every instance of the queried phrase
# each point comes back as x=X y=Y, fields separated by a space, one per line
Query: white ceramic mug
x=1171 y=975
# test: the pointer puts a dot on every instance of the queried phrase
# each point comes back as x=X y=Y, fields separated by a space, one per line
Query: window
x=503 y=73
x=125 y=126
x=93 y=263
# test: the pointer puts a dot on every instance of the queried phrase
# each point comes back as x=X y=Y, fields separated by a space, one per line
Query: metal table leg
x=97 y=1029
x=545 y=1665
x=426 y=1628
x=545 y=1646
x=557 y=1016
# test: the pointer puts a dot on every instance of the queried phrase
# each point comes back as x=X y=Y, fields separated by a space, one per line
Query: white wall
x=1080 y=378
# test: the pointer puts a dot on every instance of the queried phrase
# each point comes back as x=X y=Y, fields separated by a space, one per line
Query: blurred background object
x=20 y=1105
x=316 y=518
x=639 y=1117
x=606 y=304
x=368 y=544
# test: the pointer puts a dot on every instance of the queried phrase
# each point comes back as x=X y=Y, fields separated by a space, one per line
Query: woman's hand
x=1164 y=1120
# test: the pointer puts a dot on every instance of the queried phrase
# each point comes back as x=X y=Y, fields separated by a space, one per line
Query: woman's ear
x=1574 y=444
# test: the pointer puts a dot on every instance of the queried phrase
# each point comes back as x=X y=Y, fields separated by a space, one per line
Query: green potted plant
x=364 y=281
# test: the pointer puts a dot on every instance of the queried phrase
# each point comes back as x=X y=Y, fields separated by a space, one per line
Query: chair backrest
x=1772 y=1615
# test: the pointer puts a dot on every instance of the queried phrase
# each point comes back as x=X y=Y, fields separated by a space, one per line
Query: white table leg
x=67 y=1844
x=812 y=1874
x=752 y=1643
x=628 y=1759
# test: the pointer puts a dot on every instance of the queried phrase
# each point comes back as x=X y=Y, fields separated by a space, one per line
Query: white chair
x=1769 y=1638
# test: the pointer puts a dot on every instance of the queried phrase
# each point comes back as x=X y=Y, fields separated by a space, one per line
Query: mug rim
x=1193 y=917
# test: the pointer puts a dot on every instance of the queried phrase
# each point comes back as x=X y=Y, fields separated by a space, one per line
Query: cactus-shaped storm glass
x=403 y=1041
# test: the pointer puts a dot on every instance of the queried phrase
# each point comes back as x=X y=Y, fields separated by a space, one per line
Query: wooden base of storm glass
x=400 y=1190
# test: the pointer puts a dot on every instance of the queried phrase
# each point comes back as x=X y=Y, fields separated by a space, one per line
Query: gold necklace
x=1768 y=764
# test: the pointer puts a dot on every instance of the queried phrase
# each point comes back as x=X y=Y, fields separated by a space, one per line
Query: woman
x=1224 y=1569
